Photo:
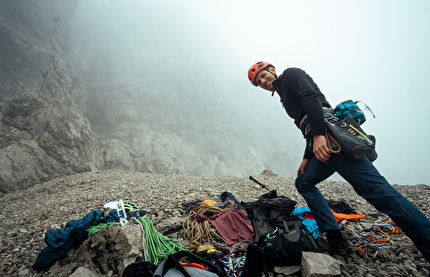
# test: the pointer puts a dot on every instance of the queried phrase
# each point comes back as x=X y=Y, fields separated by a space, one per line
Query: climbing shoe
x=342 y=247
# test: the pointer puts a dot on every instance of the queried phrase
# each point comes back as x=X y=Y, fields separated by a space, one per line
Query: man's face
x=265 y=78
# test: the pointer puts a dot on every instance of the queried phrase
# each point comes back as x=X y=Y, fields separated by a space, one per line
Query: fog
x=373 y=51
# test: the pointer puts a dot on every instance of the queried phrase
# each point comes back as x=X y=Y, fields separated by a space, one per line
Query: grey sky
x=373 y=51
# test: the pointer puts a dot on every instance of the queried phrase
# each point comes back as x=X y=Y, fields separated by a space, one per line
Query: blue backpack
x=350 y=108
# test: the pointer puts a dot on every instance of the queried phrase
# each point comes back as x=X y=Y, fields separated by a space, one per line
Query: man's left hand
x=302 y=167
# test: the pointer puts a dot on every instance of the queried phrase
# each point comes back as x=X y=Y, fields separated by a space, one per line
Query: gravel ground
x=29 y=213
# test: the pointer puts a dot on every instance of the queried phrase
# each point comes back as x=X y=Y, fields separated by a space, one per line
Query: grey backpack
x=171 y=267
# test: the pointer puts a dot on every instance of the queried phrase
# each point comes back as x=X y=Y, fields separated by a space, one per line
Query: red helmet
x=255 y=69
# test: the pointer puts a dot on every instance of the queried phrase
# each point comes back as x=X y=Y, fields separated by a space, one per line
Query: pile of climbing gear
x=275 y=230
x=376 y=239
x=155 y=246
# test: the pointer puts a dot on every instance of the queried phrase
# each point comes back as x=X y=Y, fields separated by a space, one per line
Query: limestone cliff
x=79 y=93
x=43 y=131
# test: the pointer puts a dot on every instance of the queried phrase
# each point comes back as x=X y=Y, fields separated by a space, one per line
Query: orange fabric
x=195 y=265
x=353 y=217
x=207 y=202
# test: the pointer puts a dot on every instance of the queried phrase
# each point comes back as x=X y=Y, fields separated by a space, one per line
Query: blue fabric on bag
x=310 y=224
x=350 y=108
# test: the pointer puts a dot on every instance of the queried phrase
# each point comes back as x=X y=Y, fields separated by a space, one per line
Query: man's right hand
x=320 y=148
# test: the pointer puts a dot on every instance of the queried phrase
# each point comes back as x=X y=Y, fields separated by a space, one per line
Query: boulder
x=112 y=248
x=171 y=225
x=319 y=265
x=84 y=272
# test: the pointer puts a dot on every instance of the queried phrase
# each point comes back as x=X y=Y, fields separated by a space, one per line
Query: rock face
x=43 y=131
x=72 y=103
x=154 y=100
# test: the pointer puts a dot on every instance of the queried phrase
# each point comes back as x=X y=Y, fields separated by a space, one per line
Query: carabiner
x=272 y=235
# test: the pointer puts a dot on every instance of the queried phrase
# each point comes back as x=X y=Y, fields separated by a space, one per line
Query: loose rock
x=33 y=211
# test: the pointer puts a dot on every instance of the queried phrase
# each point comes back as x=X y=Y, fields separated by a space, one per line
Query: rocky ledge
x=29 y=213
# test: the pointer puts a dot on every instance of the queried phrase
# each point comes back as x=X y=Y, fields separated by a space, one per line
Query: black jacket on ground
x=300 y=96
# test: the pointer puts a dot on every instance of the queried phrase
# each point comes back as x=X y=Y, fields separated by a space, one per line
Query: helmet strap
x=276 y=76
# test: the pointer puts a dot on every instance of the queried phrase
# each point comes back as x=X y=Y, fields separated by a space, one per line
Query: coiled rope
x=158 y=246
x=94 y=229
x=199 y=231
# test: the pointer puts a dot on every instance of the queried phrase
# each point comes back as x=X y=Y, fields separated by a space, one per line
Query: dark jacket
x=73 y=234
x=300 y=96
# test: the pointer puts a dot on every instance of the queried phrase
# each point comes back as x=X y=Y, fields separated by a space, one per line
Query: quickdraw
x=233 y=264
x=390 y=225
x=370 y=245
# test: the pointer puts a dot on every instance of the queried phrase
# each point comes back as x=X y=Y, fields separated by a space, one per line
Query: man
x=302 y=99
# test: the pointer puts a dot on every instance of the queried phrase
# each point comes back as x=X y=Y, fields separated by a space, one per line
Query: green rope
x=94 y=229
x=158 y=246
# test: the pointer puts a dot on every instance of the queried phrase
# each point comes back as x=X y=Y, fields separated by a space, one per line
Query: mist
x=183 y=65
